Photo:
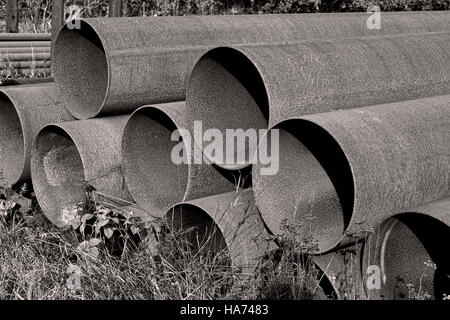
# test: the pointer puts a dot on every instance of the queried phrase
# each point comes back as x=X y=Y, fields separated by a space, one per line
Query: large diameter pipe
x=156 y=180
x=346 y=171
x=23 y=112
x=116 y=65
x=228 y=221
x=27 y=64
x=409 y=249
x=255 y=87
x=69 y=156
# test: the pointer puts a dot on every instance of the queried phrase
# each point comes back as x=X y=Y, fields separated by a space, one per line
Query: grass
x=138 y=260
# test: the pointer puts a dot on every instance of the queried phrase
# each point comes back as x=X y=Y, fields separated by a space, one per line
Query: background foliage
x=35 y=14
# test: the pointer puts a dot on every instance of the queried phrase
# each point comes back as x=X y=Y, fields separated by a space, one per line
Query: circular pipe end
x=81 y=70
x=409 y=250
x=12 y=144
x=58 y=175
x=155 y=182
x=312 y=192
x=226 y=91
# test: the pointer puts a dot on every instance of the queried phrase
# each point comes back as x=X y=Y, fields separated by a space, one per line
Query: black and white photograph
x=217 y=157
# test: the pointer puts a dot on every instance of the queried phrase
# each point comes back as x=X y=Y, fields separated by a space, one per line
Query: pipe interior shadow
x=81 y=70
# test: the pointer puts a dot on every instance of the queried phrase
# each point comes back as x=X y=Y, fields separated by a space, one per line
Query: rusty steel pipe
x=346 y=171
x=154 y=180
x=342 y=269
x=24 y=49
x=68 y=156
x=20 y=44
x=23 y=112
x=229 y=221
x=250 y=86
x=409 y=248
x=120 y=64
x=27 y=56
x=24 y=37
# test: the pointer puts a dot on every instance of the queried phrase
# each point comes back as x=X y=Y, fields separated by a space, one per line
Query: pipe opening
x=313 y=187
x=12 y=145
x=198 y=228
x=58 y=174
x=411 y=246
x=226 y=91
x=154 y=180
x=81 y=70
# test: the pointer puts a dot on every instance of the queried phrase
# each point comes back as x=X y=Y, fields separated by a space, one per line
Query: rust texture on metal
x=70 y=156
x=149 y=145
x=24 y=110
x=228 y=221
x=349 y=170
x=406 y=258
x=255 y=87
x=120 y=64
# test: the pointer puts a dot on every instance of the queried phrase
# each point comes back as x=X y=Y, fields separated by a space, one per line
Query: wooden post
x=115 y=8
x=12 y=13
x=58 y=18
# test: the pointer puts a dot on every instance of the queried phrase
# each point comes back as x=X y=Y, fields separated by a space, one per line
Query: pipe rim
x=131 y=170
x=79 y=110
x=423 y=243
x=205 y=218
x=306 y=133
x=256 y=79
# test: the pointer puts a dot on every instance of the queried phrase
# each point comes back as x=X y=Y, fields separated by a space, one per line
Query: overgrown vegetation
x=109 y=253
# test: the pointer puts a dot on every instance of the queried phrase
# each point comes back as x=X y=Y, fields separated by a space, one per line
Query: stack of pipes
x=25 y=52
x=360 y=119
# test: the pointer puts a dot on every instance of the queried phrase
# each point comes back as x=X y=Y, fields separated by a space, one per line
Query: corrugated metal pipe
x=120 y=64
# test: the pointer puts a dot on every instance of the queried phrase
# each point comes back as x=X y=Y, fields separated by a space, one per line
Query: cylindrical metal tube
x=21 y=44
x=68 y=156
x=342 y=269
x=24 y=37
x=160 y=165
x=26 y=71
x=255 y=87
x=28 y=63
x=346 y=171
x=23 y=112
x=27 y=56
x=228 y=221
x=121 y=64
x=24 y=49
x=406 y=256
